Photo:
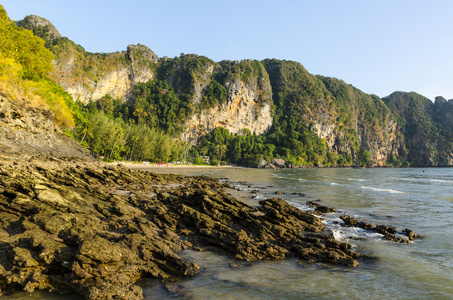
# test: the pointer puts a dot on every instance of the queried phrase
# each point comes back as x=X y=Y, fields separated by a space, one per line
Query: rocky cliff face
x=27 y=131
x=41 y=27
x=427 y=128
x=117 y=78
x=90 y=76
x=380 y=143
x=241 y=111
x=260 y=95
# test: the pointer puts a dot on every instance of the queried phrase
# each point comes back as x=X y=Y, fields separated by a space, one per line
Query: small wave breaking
x=381 y=190
x=442 y=180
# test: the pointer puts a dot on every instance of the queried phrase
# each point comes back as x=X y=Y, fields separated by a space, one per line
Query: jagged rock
x=70 y=227
x=34 y=23
x=389 y=232
x=262 y=163
x=27 y=131
x=269 y=166
x=321 y=208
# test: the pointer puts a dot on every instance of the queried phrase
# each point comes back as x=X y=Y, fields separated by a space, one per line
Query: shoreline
x=96 y=228
x=141 y=165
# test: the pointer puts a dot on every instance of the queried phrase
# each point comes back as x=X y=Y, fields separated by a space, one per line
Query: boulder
x=279 y=163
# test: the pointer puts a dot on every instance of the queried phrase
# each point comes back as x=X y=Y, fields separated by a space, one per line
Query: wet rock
x=410 y=234
x=70 y=227
x=239 y=265
x=321 y=208
x=389 y=232
x=175 y=288
x=349 y=221
x=269 y=166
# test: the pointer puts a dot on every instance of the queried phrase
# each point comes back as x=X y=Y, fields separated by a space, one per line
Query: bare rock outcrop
x=96 y=229
x=241 y=111
x=116 y=74
x=27 y=131
x=33 y=22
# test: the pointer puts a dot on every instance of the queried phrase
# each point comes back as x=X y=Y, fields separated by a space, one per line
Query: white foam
x=346 y=234
x=356 y=179
x=441 y=180
x=301 y=206
x=334 y=183
x=381 y=190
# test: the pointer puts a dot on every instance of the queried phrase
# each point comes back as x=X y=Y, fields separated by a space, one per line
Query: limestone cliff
x=41 y=27
x=343 y=116
x=310 y=119
x=427 y=128
x=241 y=111
x=91 y=76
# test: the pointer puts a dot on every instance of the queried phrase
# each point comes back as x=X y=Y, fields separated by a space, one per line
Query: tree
x=363 y=157
x=106 y=134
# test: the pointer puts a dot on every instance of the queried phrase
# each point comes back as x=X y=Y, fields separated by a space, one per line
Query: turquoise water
x=418 y=199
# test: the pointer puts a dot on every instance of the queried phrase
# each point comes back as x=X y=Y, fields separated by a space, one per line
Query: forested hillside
x=134 y=105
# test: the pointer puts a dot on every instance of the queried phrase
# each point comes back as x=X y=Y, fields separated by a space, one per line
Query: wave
x=442 y=180
x=381 y=190
x=346 y=234
x=303 y=179
x=356 y=179
x=334 y=183
x=334 y=223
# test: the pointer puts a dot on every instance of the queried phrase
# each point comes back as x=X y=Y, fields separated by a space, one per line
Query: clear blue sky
x=377 y=46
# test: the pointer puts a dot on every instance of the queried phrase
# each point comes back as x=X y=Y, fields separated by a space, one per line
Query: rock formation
x=241 y=111
x=27 y=131
x=344 y=117
x=116 y=74
x=35 y=23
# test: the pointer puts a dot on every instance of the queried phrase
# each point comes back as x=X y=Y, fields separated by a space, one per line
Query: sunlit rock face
x=241 y=111
x=125 y=69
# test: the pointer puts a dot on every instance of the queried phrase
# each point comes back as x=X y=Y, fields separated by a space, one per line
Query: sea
x=420 y=199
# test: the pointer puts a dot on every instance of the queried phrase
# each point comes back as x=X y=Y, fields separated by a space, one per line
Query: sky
x=377 y=46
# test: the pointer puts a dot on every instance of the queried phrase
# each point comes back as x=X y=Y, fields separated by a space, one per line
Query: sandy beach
x=142 y=166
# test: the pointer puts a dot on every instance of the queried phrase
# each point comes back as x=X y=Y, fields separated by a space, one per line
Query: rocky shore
x=95 y=229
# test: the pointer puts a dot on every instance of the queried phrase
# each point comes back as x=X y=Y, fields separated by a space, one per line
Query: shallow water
x=418 y=199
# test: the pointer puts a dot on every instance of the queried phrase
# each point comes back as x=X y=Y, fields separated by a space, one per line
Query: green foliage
x=26 y=49
x=184 y=72
x=103 y=134
x=25 y=65
x=157 y=105
x=423 y=137
x=215 y=94
x=114 y=138
x=363 y=157
x=397 y=161
x=149 y=144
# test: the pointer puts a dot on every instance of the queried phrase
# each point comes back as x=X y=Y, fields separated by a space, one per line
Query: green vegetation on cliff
x=426 y=128
x=157 y=105
x=25 y=65
x=316 y=120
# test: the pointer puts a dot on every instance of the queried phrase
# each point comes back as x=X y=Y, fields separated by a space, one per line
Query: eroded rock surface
x=30 y=131
x=96 y=229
